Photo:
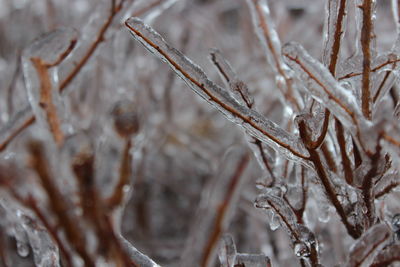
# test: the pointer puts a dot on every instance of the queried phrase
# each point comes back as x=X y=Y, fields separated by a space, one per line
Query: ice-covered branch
x=254 y=123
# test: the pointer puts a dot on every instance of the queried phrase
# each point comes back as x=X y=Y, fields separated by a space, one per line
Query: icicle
x=21 y=240
x=227 y=251
x=45 y=252
x=279 y=209
x=255 y=124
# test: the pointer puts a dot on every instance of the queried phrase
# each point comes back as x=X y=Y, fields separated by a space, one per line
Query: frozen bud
x=83 y=165
x=126 y=120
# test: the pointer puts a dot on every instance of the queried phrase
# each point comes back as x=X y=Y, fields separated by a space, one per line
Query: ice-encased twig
x=387 y=256
x=367 y=47
x=16 y=125
x=253 y=122
x=299 y=234
x=254 y=260
x=237 y=86
x=271 y=43
x=229 y=257
x=218 y=202
x=242 y=95
x=396 y=14
x=38 y=59
x=334 y=30
x=9 y=132
x=322 y=85
x=138 y=257
x=367 y=245
x=227 y=251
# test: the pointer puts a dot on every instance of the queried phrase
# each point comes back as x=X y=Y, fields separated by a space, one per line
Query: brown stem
x=124 y=175
x=223 y=208
x=324 y=179
x=267 y=35
x=58 y=204
x=337 y=37
x=328 y=157
x=346 y=163
x=381 y=85
x=315 y=144
x=366 y=37
x=386 y=190
x=46 y=100
x=352 y=74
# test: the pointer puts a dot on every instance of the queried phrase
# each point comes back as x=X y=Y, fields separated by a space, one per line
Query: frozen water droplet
x=22 y=249
x=324 y=214
x=274 y=223
x=301 y=250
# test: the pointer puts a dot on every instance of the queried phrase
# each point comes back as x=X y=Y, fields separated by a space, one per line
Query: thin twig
x=218 y=226
x=326 y=183
x=276 y=58
x=366 y=34
x=348 y=172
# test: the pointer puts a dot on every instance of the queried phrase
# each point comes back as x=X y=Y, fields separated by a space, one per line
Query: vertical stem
x=366 y=36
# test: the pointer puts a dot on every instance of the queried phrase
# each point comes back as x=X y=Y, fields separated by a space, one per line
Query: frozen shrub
x=286 y=155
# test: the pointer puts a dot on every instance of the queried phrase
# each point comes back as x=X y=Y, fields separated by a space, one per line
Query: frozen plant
x=289 y=157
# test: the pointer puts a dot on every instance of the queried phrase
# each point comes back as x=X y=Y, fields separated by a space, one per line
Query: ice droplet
x=274 y=222
x=301 y=250
x=22 y=249
x=324 y=214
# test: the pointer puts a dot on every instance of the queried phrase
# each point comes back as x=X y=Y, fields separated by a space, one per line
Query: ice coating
x=215 y=209
x=238 y=87
x=42 y=80
x=53 y=46
x=137 y=257
x=368 y=244
x=335 y=26
x=281 y=210
x=271 y=44
x=255 y=124
x=386 y=256
x=322 y=85
x=227 y=251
